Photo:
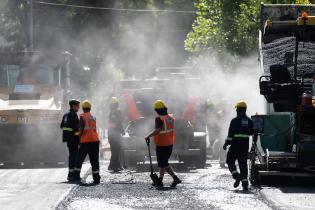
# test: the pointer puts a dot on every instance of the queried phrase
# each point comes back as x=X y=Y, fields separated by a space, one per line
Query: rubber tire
x=200 y=161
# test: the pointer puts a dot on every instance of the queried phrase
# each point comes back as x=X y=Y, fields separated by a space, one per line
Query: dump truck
x=34 y=91
x=284 y=140
x=168 y=84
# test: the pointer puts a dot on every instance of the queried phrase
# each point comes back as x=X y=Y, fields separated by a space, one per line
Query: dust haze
x=143 y=46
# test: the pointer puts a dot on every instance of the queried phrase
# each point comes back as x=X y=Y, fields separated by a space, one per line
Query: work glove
x=224 y=147
x=227 y=143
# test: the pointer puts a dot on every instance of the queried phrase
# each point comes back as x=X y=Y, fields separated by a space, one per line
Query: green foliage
x=225 y=25
x=92 y=35
x=292 y=1
x=12 y=24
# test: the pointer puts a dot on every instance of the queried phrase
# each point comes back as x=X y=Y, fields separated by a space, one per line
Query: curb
x=58 y=205
x=269 y=201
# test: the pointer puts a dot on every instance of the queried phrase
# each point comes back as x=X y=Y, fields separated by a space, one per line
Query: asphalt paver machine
x=284 y=140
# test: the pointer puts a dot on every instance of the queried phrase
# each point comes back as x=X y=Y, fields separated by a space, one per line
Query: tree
x=224 y=25
x=228 y=26
x=12 y=24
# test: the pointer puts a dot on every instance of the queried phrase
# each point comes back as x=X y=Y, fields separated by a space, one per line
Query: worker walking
x=164 y=137
x=89 y=143
x=115 y=130
x=241 y=128
x=70 y=134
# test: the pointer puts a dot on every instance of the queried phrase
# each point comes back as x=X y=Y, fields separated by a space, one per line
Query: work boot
x=237 y=178
x=160 y=183
x=76 y=177
x=96 y=179
x=110 y=167
x=176 y=181
x=70 y=176
x=245 y=184
x=236 y=183
x=116 y=170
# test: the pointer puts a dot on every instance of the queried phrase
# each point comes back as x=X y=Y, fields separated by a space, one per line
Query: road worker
x=164 y=137
x=241 y=128
x=70 y=127
x=89 y=143
x=115 y=130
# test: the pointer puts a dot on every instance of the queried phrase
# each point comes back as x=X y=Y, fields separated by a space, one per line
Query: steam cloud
x=144 y=46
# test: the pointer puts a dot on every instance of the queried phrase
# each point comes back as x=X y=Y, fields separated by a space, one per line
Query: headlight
x=3 y=119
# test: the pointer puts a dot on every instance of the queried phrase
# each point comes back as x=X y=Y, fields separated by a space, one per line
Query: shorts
x=163 y=153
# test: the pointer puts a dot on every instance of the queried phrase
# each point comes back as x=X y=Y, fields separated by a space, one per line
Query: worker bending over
x=70 y=134
x=241 y=128
x=89 y=143
x=164 y=139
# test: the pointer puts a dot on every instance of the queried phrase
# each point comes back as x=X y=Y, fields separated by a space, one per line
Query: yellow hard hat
x=241 y=104
x=159 y=104
x=114 y=100
x=86 y=104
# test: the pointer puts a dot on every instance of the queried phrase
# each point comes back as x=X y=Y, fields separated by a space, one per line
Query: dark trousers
x=73 y=152
x=163 y=153
x=91 y=149
x=115 y=146
x=239 y=154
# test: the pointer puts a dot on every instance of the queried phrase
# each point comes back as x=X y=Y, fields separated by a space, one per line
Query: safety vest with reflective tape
x=89 y=133
x=166 y=137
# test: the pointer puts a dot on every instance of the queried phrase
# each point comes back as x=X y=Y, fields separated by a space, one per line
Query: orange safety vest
x=89 y=133
x=167 y=136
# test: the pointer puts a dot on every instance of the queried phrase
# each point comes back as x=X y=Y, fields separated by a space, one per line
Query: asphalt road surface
x=32 y=189
x=209 y=188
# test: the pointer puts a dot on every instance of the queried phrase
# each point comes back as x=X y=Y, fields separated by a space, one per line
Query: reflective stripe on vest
x=241 y=136
x=166 y=129
x=67 y=129
x=87 y=126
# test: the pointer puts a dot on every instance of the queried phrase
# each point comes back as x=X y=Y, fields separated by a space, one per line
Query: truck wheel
x=200 y=161
x=187 y=160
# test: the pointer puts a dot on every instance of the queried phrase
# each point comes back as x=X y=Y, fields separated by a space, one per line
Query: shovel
x=153 y=176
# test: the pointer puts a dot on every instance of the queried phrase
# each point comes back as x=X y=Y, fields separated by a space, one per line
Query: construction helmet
x=159 y=104
x=114 y=100
x=86 y=104
x=73 y=102
x=241 y=105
